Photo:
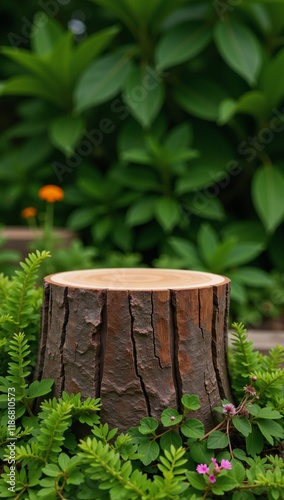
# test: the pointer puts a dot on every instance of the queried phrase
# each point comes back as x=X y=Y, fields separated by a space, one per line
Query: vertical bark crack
x=102 y=343
x=44 y=329
x=138 y=375
x=215 y=341
x=63 y=337
x=174 y=350
x=153 y=332
x=199 y=316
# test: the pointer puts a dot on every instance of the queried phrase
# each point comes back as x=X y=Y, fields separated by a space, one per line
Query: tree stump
x=137 y=338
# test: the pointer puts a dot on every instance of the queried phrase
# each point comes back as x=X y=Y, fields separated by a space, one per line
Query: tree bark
x=137 y=338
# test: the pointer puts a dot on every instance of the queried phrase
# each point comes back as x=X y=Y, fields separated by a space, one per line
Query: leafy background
x=163 y=122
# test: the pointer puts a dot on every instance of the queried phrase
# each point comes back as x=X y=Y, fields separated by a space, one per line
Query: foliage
x=58 y=448
x=165 y=115
x=21 y=301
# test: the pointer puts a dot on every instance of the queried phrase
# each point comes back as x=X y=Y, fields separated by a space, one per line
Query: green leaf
x=190 y=402
x=239 y=48
x=46 y=33
x=200 y=175
x=37 y=389
x=253 y=103
x=209 y=208
x=269 y=428
x=269 y=413
x=196 y=480
x=167 y=213
x=267 y=196
x=90 y=48
x=65 y=132
x=28 y=86
x=186 y=250
x=201 y=97
x=192 y=428
x=136 y=155
x=243 y=495
x=252 y=276
x=170 y=417
x=207 y=242
x=242 y=252
x=199 y=452
x=217 y=439
x=272 y=81
x=181 y=44
x=142 y=211
x=149 y=450
x=238 y=472
x=34 y=64
x=170 y=438
x=179 y=138
x=144 y=94
x=101 y=81
x=148 y=425
x=242 y=425
x=226 y=483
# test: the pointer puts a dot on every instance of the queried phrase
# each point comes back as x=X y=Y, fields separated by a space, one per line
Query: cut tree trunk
x=137 y=338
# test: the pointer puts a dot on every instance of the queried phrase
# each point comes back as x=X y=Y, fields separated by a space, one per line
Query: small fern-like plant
x=246 y=363
x=20 y=305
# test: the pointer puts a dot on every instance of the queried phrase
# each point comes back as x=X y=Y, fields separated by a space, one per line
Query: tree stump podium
x=137 y=338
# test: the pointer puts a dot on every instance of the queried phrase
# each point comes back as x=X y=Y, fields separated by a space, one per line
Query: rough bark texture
x=139 y=351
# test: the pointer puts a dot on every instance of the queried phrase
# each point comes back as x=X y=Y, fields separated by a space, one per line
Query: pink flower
x=225 y=464
x=214 y=462
x=212 y=479
x=202 y=469
x=229 y=409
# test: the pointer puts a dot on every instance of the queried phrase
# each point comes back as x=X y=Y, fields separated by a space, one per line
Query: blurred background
x=162 y=121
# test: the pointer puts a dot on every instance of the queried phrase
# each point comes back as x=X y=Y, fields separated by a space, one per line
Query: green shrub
x=167 y=117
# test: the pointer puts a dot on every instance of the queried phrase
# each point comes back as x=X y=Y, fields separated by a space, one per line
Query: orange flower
x=28 y=212
x=51 y=193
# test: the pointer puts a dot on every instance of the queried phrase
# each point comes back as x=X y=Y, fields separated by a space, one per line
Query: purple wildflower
x=212 y=479
x=202 y=469
x=226 y=464
x=229 y=409
x=214 y=462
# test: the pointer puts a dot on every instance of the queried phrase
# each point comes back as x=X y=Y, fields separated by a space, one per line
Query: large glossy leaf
x=181 y=44
x=60 y=67
x=144 y=94
x=253 y=103
x=272 y=82
x=207 y=241
x=28 y=85
x=34 y=64
x=167 y=213
x=201 y=175
x=241 y=253
x=239 y=48
x=252 y=276
x=268 y=195
x=101 y=81
x=142 y=211
x=90 y=48
x=65 y=132
x=201 y=98
x=46 y=33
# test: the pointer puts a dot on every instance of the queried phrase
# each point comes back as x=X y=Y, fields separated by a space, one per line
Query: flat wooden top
x=136 y=279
